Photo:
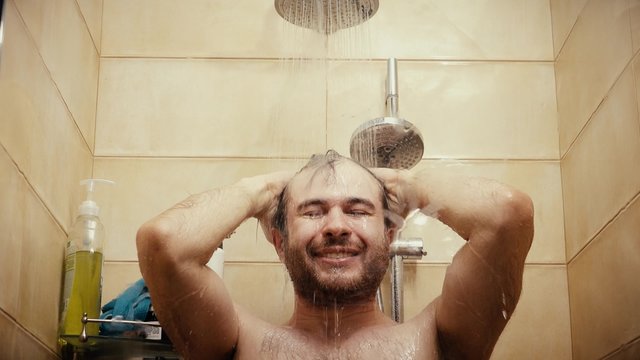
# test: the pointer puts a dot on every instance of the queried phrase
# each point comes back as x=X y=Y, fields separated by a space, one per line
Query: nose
x=336 y=224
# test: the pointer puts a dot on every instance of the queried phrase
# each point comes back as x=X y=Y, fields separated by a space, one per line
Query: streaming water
x=314 y=53
x=308 y=63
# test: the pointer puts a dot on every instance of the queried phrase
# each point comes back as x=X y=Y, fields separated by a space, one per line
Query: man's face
x=337 y=249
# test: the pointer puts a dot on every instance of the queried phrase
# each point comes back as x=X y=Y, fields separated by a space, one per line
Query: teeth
x=337 y=255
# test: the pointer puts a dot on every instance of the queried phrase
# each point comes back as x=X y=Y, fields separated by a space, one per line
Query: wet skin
x=337 y=252
x=337 y=247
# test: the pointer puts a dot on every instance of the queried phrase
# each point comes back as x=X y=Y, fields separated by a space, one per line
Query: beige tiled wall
x=193 y=97
x=602 y=283
x=461 y=108
x=63 y=42
x=435 y=29
x=597 y=50
x=602 y=169
x=598 y=105
x=48 y=86
x=197 y=96
x=167 y=107
x=564 y=14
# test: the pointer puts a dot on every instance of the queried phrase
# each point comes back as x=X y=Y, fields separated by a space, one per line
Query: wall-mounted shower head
x=388 y=142
x=326 y=16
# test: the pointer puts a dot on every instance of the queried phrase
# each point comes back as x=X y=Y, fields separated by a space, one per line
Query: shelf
x=107 y=347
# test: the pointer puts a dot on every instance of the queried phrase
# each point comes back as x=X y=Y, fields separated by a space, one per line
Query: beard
x=332 y=286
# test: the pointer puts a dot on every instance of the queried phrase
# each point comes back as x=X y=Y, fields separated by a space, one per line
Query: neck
x=332 y=322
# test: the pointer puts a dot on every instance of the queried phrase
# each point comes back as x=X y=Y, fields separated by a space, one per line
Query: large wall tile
x=265 y=290
x=445 y=29
x=422 y=284
x=211 y=108
x=63 y=39
x=543 y=304
x=540 y=180
x=35 y=127
x=41 y=270
x=31 y=259
x=601 y=172
x=564 y=14
x=92 y=13
x=139 y=181
x=602 y=288
x=146 y=187
x=463 y=110
x=14 y=193
x=594 y=55
x=537 y=308
x=197 y=28
x=18 y=344
x=540 y=327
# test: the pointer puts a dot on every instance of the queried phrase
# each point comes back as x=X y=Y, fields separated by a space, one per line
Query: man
x=332 y=226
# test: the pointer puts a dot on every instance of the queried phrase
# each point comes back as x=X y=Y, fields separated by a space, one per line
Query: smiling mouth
x=337 y=255
x=336 y=252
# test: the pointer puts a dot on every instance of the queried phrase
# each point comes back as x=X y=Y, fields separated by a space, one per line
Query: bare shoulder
x=253 y=333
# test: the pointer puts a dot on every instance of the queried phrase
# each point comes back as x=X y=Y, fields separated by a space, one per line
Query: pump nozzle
x=88 y=206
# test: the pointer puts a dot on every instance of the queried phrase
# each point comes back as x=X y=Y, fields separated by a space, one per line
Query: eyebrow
x=360 y=201
x=321 y=202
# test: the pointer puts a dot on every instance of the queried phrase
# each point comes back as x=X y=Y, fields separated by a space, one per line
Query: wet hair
x=325 y=162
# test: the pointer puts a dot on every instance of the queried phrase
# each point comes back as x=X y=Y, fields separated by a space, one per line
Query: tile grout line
x=48 y=71
x=26 y=331
x=564 y=42
x=604 y=227
x=328 y=59
x=32 y=188
x=248 y=158
x=93 y=41
x=621 y=348
x=600 y=104
x=70 y=117
x=598 y=108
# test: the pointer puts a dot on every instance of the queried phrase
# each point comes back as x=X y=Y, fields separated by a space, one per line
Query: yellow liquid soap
x=82 y=292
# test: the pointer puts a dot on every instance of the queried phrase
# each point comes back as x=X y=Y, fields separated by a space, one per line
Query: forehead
x=345 y=180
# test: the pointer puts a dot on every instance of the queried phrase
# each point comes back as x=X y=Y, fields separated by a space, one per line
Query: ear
x=277 y=243
x=390 y=234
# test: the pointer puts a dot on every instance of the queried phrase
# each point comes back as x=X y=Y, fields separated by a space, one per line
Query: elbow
x=153 y=241
x=517 y=215
x=519 y=206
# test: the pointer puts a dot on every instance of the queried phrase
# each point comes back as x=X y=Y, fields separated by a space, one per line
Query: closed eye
x=312 y=209
x=358 y=212
x=312 y=214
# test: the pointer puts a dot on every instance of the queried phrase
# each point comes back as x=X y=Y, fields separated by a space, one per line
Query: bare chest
x=394 y=343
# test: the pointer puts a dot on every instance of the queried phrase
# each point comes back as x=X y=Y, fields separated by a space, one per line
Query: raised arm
x=482 y=285
x=173 y=250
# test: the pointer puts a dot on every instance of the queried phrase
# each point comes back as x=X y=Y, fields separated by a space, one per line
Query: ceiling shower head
x=326 y=16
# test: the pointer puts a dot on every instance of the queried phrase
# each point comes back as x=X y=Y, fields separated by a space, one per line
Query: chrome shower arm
x=392 y=88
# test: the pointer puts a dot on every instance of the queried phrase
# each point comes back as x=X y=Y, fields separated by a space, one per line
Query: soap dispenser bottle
x=83 y=266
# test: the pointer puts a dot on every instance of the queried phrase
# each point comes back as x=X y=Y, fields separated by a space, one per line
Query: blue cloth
x=133 y=304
